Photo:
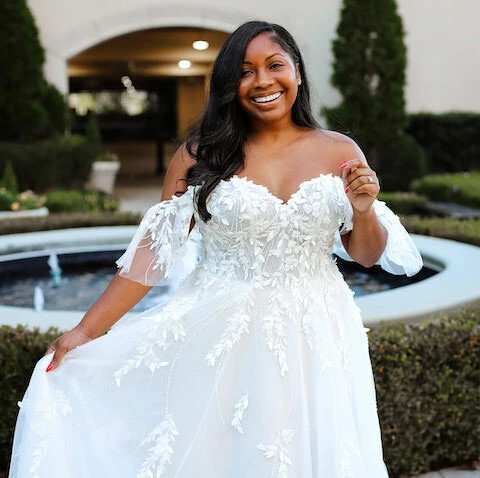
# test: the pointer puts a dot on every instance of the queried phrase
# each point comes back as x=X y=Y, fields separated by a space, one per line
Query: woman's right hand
x=66 y=342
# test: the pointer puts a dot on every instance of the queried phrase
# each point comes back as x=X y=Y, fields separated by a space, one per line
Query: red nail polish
x=344 y=165
x=347 y=189
x=50 y=366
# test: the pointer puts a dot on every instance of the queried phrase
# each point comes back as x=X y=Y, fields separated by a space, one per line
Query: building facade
x=443 y=48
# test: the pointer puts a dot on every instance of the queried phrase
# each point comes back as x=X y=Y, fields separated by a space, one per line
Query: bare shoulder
x=342 y=147
x=175 y=180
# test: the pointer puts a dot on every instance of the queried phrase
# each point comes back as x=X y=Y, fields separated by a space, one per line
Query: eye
x=245 y=73
x=276 y=65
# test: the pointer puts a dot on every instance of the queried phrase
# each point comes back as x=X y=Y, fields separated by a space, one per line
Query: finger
x=362 y=177
x=56 y=360
x=51 y=348
x=353 y=164
x=364 y=190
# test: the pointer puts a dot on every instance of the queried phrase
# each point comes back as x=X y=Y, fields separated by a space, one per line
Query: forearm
x=367 y=240
x=117 y=299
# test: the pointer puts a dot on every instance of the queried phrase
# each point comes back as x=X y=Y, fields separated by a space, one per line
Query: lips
x=267 y=98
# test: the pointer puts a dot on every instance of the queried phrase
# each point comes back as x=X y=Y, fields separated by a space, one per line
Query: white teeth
x=268 y=98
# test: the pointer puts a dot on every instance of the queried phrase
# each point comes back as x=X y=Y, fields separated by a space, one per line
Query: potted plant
x=104 y=171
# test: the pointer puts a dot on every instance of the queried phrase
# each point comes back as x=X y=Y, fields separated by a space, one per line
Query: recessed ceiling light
x=184 y=64
x=200 y=44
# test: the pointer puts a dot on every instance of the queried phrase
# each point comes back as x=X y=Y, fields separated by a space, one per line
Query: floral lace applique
x=158 y=241
x=239 y=411
x=159 y=335
x=278 y=452
x=237 y=326
x=348 y=450
x=48 y=418
x=160 y=452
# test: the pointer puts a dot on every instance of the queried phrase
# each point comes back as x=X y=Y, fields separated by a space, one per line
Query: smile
x=267 y=99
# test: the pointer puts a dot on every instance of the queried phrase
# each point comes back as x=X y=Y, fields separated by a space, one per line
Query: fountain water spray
x=55 y=270
x=38 y=299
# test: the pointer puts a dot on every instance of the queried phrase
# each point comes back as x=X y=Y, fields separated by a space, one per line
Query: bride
x=258 y=366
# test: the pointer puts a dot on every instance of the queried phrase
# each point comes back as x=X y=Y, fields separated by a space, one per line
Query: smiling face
x=269 y=83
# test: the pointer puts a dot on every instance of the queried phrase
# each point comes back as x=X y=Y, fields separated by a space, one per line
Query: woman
x=258 y=366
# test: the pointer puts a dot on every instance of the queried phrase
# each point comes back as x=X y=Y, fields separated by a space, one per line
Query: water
x=86 y=275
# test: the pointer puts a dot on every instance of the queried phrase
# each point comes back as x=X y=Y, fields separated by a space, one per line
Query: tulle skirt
x=225 y=381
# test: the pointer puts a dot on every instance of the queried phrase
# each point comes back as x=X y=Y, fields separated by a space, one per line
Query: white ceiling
x=149 y=53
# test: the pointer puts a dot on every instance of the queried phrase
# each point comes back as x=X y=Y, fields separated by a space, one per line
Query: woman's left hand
x=361 y=184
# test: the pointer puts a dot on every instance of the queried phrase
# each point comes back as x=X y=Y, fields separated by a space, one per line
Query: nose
x=263 y=78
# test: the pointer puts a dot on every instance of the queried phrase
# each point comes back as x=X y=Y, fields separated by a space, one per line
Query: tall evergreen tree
x=30 y=108
x=369 y=72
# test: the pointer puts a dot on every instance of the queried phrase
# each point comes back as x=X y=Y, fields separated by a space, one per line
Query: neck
x=272 y=132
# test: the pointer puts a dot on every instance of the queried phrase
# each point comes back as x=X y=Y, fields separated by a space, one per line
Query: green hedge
x=462 y=188
x=451 y=140
x=427 y=379
x=63 y=162
x=67 y=221
x=81 y=201
x=399 y=161
x=404 y=203
x=20 y=348
x=462 y=230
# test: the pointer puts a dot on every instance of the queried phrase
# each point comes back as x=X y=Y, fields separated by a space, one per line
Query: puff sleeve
x=159 y=241
x=400 y=256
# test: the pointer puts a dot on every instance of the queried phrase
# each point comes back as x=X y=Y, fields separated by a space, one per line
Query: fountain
x=55 y=270
x=79 y=252
x=38 y=299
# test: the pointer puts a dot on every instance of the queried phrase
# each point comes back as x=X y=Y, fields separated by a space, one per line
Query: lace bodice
x=255 y=236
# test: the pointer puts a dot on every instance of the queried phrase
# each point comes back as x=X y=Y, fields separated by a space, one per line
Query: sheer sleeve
x=159 y=241
x=400 y=255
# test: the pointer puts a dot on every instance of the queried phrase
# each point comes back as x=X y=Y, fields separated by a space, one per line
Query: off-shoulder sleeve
x=159 y=240
x=400 y=256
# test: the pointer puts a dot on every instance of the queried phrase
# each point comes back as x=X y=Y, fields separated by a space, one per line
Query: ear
x=298 y=75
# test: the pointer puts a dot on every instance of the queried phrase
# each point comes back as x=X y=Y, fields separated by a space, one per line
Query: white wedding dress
x=257 y=367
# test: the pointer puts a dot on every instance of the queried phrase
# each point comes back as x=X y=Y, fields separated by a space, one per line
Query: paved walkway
x=139 y=195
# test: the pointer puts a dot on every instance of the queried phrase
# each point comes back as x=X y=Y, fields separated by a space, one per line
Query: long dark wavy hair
x=216 y=142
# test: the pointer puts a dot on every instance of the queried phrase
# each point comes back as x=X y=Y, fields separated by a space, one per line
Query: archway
x=146 y=88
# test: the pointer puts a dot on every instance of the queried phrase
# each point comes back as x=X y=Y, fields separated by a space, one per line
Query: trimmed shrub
x=80 y=201
x=462 y=230
x=6 y=200
x=369 y=72
x=451 y=140
x=65 y=201
x=461 y=188
x=31 y=108
x=404 y=203
x=63 y=162
x=427 y=379
x=20 y=349
x=9 y=180
x=67 y=221
x=401 y=160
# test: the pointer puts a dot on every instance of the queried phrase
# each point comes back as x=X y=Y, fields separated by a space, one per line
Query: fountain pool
x=452 y=286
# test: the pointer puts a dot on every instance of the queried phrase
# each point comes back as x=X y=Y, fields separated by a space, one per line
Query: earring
x=299 y=82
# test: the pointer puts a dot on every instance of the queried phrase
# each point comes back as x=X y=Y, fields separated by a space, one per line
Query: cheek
x=242 y=94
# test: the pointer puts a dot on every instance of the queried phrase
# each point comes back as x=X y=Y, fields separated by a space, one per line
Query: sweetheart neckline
x=299 y=189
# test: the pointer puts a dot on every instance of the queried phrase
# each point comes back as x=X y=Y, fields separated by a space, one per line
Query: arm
x=122 y=293
x=368 y=238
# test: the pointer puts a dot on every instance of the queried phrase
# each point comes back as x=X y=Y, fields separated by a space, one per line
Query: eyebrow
x=266 y=59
